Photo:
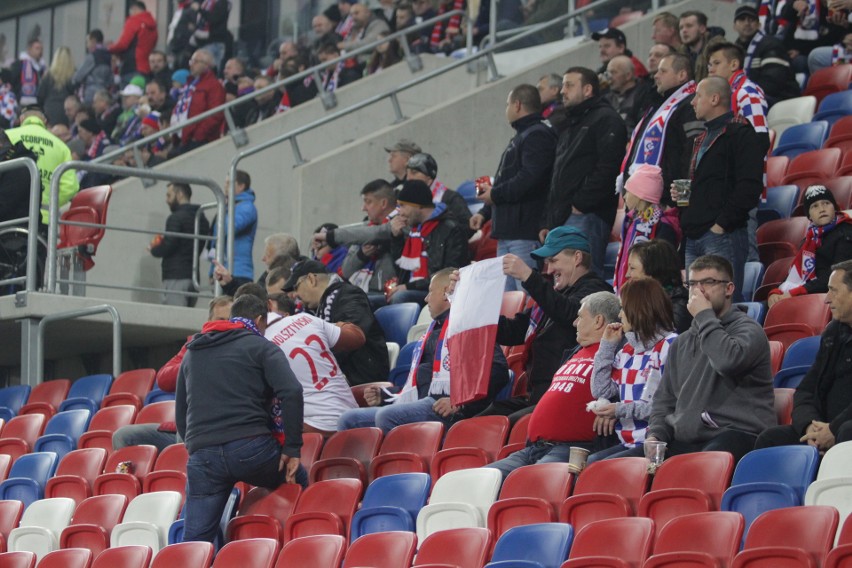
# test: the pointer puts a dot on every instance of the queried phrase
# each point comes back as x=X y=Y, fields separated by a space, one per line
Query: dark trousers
x=732 y=441
x=788 y=435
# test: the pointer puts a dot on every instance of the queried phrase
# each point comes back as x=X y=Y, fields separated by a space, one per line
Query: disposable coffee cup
x=683 y=187
x=655 y=453
x=577 y=459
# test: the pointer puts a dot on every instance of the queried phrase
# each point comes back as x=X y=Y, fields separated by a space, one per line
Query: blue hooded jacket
x=245 y=227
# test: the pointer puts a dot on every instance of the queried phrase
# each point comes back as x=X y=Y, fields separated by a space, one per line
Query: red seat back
x=784 y=406
x=10 y=516
x=513 y=302
x=90 y=206
x=67 y=558
x=390 y=549
x=720 y=535
x=776 y=169
x=828 y=80
x=27 y=428
x=810 y=528
x=112 y=418
x=633 y=545
x=188 y=554
x=465 y=548
x=812 y=167
x=156 y=413
x=47 y=394
x=809 y=309
x=485 y=432
x=321 y=549
x=709 y=472
x=172 y=458
x=131 y=387
x=783 y=230
x=251 y=553
x=131 y=556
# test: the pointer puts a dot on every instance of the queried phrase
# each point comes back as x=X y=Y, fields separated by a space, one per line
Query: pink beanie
x=646 y=183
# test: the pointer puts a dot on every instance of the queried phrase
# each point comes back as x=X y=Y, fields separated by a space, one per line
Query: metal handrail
x=74 y=314
x=53 y=221
x=195 y=252
x=311 y=72
x=32 y=220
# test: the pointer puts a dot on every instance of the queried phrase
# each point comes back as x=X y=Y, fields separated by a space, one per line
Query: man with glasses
x=716 y=392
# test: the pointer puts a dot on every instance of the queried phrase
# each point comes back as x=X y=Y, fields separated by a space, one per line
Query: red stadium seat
x=68 y=558
x=185 y=554
x=780 y=238
x=594 y=545
x=776 y=355
x=252 y=553
x=10 y=515
x=626 y=18
x=845 y=168
x=841 y=555
x=840 y=135
x=156 y=413
x=392 y=549
x=464 y=548
x=358 y=391
x=127 y=484
x=46 y=397
x=471 y=443
x=812 y=167
x=776 y=169
x=89 y=206
x=513 y=302
x=93 y=522
x=130 y=387
x=517 y=437
x=325 y=507
x=794 y=536
x=317 y=551
x=703 y=539
x=530 y=494
x=828 y=80
x=5 y=466
x=312 y=443
x=797 y=317
x=76 y=473
x=408 y=448
x=263 y=513
x=20 y=434
x=131 y=556
x=104 y=424
x=775 y=274
x=169 y=472
x=18 y=560
x=347 y=453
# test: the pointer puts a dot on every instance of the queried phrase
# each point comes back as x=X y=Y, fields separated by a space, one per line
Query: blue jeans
x=537 y=452
x=217 y=50
x=358 y=418
x=819 y=58
x=597 y=231
x=211 y=473
x=733 y=246
x=392 y=415
x=522 y=250
x=405 y=296
x=143 y=434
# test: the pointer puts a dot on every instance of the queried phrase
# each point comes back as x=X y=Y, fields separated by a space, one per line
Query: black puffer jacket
x=176 y=252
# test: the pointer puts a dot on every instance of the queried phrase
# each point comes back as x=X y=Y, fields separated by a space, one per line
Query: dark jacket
x=15 y=186
x=682 y=317
x=446 y=246
x=216 y=22
x=770 y=69
x=522 y=181
x=836 y=247
x=96 y=73
x=681 y=130
x=345 y=302
x=225 y=385
x=457 y=210
x=728 y=180
x=175 y=252
x=825 y=394
x=556 y=332
x=52 y=99
x=588 y=158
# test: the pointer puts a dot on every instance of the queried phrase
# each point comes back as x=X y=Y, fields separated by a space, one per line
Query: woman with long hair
x=659 y=260
x=56 y=85
x=632 y=372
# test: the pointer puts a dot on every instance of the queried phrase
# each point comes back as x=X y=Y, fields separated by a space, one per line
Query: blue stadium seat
x=176 y=529
x=467 y=189
x=28 y=476
x=802 y=352
x=801 y=138
x=779 y=204
x=62 y=432
x=790 y=377
x=158 y=395
x=834 y=107
x=544 y=545
x=610 y=259
x=12 y=399
x=755 y=310
x=397 y=319
x=752 y=277
x=403 y=364
x=87 y=392
x=391 y=503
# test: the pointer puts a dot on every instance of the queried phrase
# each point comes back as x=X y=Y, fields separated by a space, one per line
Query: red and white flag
x=472 y=331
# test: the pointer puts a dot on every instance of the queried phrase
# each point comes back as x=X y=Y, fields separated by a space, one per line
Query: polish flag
x=474 y=312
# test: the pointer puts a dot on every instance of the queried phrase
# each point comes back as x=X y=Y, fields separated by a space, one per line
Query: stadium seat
x=169 y=472
x=790 y=112
x=75 y=474
x=68 y=558
x=17 y=560
x=790 y=231
x=104 y=424
x=89 y=206
x=686 y=484
x=147 y=520
x=10 y=515
x=720 y=535
x=393 y=353
x=93 y=522
x=156 y=413
x=801 y=138
x=358 y=390
x=832 y=79
x=812 y=167
x=833 y=485
x=776 y=355
x=841 y=188
x=605 y=490
x=41 y=525
x=397 y=319
x=20 y=434
x=752 y=276
x=391 y=503
x=801 y=352
x=513 y=302
x=779 y=204
x=774 y=275
x=194 y=554
x=12 y=399
x=347 y=453
x=62 y=432
x=392 y=549
x=840 y=135
x=834 y=107
x=251 y=553
x=176 y=530
x=325 y=507
x=470 y=443
x=459 y=499
x=542 y=544
x=423 y=321
x=87 y=392
x=841 y=555
x=796 y=318
x=130 y=387
x=312 y=443
x=130 y=556
x=408 y=448
x=530 y=494
x=463 y=547
x=790 y=377
x=158 y=395
x=264 y=512
x=28 y=477
x=46 y=397
x=5 y=466
x=796 y=536
x=399 y=372
x=129 y=484
x=625 y=18
x=755 y=310
x=517 y=437
x=784 y=405
x=594 y=545
x=317 y=551
x=776 y=169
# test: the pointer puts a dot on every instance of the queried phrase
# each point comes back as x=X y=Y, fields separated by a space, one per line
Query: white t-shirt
x=307 y=342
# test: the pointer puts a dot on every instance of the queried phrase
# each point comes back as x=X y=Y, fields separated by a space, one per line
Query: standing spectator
x=136 y=42
x=627 y=94
x=716 y=392
x=696 y=38
x=177 y=253
x=398 y=156
x=655 y=55
x=519 y=194
x=549 y=87
x=241 y=270
x=423 y=167
x=180 y=32
x=159 y=67
x=27 y=71
x=446 y=34
x=666 y=30
x=96 y=71
x=748 y=101
x=346 y=22
x=56 y=86
x=211 y=29
x=202 y=93
x=591 y=145
x=8 y=100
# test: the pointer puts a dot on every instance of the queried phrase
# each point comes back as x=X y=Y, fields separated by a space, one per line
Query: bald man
x=208 y=93
x=727 y=180
x=627 y=94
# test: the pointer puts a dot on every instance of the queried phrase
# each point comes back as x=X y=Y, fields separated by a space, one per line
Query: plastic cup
x=577 y=459
x=683 y=187
x=655 y=453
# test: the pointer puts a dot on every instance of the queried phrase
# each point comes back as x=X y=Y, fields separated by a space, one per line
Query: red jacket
x=140 y=35
x=167 y=380
x=209 y=93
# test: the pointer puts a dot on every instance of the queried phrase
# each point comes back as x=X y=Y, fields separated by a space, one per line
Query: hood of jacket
x=217 y=333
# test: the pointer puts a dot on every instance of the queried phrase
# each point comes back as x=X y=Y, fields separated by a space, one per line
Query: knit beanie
x=415 y=192
x=816 y=193
x=91 y=125
x=646 y=183
x=152 y=120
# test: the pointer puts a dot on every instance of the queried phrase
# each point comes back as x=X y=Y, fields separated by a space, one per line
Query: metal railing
x=32 y=221
x=54 y=220
x=74 y=314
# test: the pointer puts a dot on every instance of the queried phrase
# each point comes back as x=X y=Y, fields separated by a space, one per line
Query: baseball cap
x=611 y=33
x=745 y=11
x=405 y=145
x=303 y=268
x=131 y=90
x=562 y=238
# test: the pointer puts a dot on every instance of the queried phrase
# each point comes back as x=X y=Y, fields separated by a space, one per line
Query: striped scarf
x=839 y=55
x=332 y=77
x=752 y=47
x=440 y=384
x=637 y=227
x=94 y=150
x=439 y=30
x=415 y=257
x=344 y=27
x=8 y=104
x=803 y=268
x=808 y=25
x=438 y=191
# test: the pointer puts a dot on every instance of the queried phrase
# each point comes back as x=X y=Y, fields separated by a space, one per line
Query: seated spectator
x=335 y=300
x=127 y=125
x=425 y=396
x=549 y=89
x=297 y=92
x=560 y=419
x=645 y=218
x=331 y=257
x=366 y=29
x=338 y=75
x=323 y=28
x=659 y=260
x=106 y=111
x=716 y=392
x=828 y=242
x=93 y=137
x=179 y=79
x=446 y=35
x=202 y=93
x=157 y=93
x=821 y=405
x=398 y=156
x=629 y=366
x=385 y=55
x=434 y=241
x=265 y=104
x=423 y=167
x=62 y=132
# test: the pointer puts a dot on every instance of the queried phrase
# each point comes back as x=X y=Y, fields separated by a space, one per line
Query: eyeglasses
x=706 y=283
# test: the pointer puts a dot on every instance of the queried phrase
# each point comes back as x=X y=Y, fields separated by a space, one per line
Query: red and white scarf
x=332 y=77
x=440 y=384
x=344 y=27
x=180 y=114
x=438 y=191
x=92 y=152
x=438 y=30
x=807 y=27
x=284 y=103
x=414 y=257
x=637 y=227
x=804 y=265
x=839 y=55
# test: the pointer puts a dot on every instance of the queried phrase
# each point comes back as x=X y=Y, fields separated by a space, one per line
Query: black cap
x=303 y=268
x=91 y=125
x=415 y=192
x=745 y=10
x=423 y=163
x=611 y=33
